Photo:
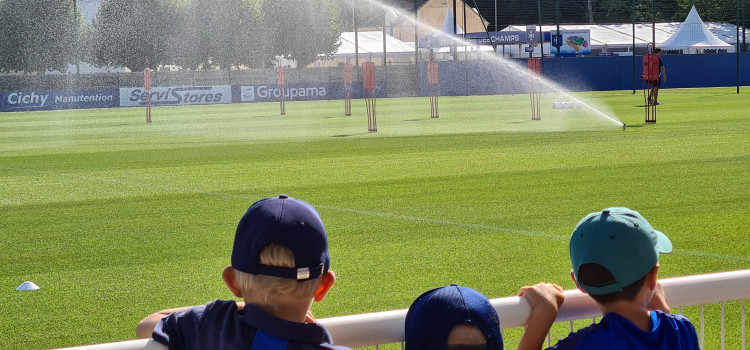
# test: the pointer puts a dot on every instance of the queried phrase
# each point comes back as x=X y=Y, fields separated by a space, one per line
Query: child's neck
x=633 y=311
x=293 y=310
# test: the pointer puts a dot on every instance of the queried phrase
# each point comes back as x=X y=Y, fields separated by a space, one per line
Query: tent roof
x=372 y=42
x=447 y=26
x=693 y=33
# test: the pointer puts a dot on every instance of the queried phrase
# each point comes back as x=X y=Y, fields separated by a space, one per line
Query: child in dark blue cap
x=452 y=318
x=280 y=265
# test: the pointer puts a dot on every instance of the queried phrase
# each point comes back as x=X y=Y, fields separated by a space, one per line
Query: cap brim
x=663 y=244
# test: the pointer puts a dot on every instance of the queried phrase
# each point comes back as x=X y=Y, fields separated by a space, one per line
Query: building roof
x=621 y=35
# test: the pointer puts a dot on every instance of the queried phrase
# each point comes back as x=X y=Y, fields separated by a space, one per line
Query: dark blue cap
x=290 y=223
x=432 y=317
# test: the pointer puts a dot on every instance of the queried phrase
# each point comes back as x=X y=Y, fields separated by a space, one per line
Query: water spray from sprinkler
x=515 y=69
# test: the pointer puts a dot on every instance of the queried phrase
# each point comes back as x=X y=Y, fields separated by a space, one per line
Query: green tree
x=658 y=11
x=133 y=34
x=219 y=33
x=39 y=35
x=366 y=14
x=301 y=31
x=709 y=10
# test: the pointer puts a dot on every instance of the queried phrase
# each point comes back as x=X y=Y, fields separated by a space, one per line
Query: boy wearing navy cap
x=452 y=318
x=280 y=265
x=615 y=259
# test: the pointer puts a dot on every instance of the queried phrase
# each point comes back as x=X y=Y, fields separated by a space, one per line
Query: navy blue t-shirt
x=668 y=332
x=220 y=325
x=661 y=64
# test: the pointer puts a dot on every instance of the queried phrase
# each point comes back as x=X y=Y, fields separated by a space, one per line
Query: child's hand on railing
x=658 y=301
x=545 y=300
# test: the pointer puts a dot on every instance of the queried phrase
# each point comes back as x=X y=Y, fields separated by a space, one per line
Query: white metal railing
x=388 y=326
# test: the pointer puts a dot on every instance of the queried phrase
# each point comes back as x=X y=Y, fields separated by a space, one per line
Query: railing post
x=723 y=333
x=703 y=330
x=742 y=307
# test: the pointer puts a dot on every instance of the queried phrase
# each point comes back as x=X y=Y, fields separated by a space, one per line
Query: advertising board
x=572 y=42
x=11 y=101
x=300 y=92
x=176 y=96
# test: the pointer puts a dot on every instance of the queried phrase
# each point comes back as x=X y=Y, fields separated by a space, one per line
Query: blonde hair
x=466 y=334
x=265 y=290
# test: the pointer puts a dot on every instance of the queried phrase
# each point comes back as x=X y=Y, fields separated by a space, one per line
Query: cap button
x=283 y=196
x=605 y=212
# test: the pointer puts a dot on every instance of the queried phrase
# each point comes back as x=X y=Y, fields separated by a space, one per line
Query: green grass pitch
x=115 y=219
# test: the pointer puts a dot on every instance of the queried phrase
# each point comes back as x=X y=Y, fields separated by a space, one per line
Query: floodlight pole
x=487 y=30
x=455 y=24
x=416 y=37
x=463 y=35
x=466 y=55
x=541 y=35
x=356 y=35
x=634 y=71
x=455 y=32
x=744 y=44
x=75 y=13
x=557 y=35
x=653 y=23
x=385 y=23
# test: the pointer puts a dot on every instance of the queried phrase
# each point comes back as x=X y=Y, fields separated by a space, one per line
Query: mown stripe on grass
x=366 y=212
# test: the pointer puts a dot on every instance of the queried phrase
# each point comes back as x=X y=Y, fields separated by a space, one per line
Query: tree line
x=42 y=35
x=523 y=12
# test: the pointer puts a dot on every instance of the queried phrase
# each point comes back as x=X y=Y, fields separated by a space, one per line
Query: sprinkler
x=623 y=126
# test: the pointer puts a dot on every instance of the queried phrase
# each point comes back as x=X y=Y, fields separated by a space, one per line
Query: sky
x=89 y=9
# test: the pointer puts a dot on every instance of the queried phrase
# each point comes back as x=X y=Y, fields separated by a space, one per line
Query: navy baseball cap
x=620 y=240
x=288 y=222
x=434 y=314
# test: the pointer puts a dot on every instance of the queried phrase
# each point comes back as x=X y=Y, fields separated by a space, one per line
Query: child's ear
x=326 y=283
x=231 y=281
x=573 y=277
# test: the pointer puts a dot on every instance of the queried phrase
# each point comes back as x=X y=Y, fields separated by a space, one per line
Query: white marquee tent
x=693 y=36
x=447 y=26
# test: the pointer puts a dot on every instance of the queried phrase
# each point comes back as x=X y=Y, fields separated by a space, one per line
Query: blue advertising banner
x=16 y=101
x=506 y=37
x=301 y=92
x=500 y=38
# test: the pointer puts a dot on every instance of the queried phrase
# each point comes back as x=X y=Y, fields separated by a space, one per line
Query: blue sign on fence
x=12 y=101
x=505 y=37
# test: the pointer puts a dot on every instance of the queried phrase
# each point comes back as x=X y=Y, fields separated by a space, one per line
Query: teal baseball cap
x=620 y=240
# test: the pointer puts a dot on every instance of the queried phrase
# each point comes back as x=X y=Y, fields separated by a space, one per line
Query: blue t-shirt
x=220 y=325
x=668 y=331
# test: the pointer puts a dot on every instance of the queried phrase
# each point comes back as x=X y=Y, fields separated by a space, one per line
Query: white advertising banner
x=176 y=96
x=572 y=42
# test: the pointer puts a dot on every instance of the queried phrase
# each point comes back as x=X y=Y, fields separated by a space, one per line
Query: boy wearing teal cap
x=615 y=258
